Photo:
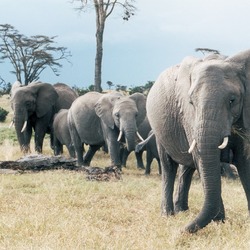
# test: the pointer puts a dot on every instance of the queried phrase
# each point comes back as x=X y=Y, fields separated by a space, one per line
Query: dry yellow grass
x=62 y=210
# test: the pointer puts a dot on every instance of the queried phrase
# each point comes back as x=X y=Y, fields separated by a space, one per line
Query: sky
x=159 y=35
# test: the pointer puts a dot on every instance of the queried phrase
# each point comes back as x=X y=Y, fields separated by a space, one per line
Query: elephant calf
x=62 y=134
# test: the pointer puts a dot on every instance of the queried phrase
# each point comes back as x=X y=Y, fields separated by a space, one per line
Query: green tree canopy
x=30 y=56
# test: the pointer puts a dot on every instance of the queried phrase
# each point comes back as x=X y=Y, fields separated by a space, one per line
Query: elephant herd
x=109 y=120
x=198 y=111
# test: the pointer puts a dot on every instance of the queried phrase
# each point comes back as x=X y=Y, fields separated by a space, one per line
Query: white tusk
x=192 y=147
x=139 y=136
x=224 y=143
x=24 y=126
x=11 y=124
x=120 y=136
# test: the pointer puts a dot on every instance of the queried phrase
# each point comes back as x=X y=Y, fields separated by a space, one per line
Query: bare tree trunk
x=100 y=24
x=98 y=59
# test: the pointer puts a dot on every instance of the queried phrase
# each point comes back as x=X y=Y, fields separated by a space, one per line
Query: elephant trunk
x=130 y=137
x=20 y=121
x=208 y=160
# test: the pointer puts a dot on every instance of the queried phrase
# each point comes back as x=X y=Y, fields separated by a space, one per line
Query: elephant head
x=30 y=103
x=122 y=114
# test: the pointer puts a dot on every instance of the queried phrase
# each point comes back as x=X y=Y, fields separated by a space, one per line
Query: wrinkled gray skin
x=37 y=103
x=202 y=100
x=61 y=133
x=96 y=119
x=143 y=130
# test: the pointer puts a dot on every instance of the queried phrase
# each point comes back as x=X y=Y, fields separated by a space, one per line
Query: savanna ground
x=61 y=209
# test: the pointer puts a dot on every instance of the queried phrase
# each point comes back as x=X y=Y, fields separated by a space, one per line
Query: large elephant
x=193 y=109
x=34 y=106
x=61 y=133
x=105 y=119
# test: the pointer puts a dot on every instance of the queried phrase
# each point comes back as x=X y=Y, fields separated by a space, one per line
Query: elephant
x=61 y=133
x=143 y=130
x=107 y=120
x=34 y=106
x=196 y=109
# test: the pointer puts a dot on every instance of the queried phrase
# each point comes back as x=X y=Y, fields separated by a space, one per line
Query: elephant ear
x=242 y=65
x=46 y=97
x=184 y=77
x=140 y=101
x=104 y=108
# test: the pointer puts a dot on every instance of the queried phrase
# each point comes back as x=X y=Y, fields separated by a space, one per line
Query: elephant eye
x=28 y=104
x=232 y=100
x=117 y=114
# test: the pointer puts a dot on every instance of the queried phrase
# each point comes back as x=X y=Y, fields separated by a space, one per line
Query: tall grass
x=61 y=209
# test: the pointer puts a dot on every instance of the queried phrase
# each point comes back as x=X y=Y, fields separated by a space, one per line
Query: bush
x=4 y=87
x=3 y=114
x=82 y=91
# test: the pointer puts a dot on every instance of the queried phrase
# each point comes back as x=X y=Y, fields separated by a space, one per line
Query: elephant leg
x=244 y=174
x=40 y=131
x=184 y=183
x=52 y=141
x=57 y=147
x=71 y=150
x=124 y=156
x=39 y=136
x=76 y=142
x=242 y=162
x=169 y=169
x=159 y=165
x=79 y=153
x=90 y=153
x=139 y=160
x=28 y=134
x=149 y=159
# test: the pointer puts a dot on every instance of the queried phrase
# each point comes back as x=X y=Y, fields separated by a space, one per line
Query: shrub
x=82 y=91
x=3 y=114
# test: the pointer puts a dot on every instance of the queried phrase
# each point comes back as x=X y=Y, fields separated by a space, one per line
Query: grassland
x=60 y=209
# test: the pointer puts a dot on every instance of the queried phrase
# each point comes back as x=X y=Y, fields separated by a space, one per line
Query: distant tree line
x=118 y=87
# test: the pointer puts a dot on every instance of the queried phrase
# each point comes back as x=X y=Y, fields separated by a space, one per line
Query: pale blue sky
x=161 y=34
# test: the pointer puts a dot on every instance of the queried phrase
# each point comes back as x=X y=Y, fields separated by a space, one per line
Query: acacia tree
x=30 y=56
x=103 y=10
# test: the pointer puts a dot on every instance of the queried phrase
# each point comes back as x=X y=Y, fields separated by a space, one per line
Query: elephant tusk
x=139 y=136
x=224 y=143
x=11 y=124
x=190 y=150
x=120 y=136
x=24 y=126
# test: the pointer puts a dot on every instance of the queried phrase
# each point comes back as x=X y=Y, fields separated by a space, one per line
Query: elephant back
x=66 y=96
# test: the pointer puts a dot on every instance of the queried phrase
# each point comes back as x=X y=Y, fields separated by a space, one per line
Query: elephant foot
x=167 y=212
x=118 y=166
x=86 y=163
x=141 y=167
x=192 y=228
x=179 y=209
x=220 y=217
